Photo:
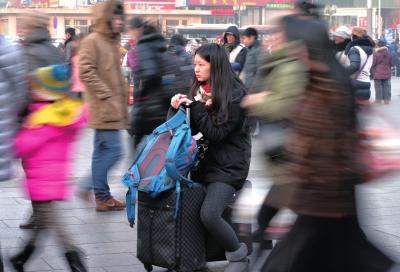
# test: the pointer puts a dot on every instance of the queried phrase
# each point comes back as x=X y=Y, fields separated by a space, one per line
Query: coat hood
x=103 y=14
x=364 y=43
x=235 y=31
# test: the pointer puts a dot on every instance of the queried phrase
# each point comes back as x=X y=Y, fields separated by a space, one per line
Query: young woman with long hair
x=216 y=113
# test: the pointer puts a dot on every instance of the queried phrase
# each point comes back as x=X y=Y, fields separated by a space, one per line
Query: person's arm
x=211 y=131
x=355 y=62
x=88 y=70
x=30 y=140
x=240 y=60
x=13 y=66
x=290 y=81
x=68 y=52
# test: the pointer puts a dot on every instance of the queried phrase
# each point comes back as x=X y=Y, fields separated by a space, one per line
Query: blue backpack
x=163 y=162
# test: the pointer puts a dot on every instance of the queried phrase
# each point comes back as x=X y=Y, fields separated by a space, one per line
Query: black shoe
x=30 y=224
x=19 y=260
x=74 y=259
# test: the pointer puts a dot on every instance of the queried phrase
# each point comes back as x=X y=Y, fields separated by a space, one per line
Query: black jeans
x=218 y=196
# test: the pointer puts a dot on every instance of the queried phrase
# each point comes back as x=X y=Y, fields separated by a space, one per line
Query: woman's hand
x=253 y=99
x=179 y=99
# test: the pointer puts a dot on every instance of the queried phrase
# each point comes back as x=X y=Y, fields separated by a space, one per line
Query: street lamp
x=330 y=10
x=239 y=9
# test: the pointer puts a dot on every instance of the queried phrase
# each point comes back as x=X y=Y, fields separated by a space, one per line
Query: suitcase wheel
x=148 y=267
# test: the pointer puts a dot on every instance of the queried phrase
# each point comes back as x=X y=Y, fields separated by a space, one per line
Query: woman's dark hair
x=223 y=80
x=136 y=22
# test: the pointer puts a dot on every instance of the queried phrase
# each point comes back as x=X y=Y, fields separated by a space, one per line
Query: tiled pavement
x=110 y=243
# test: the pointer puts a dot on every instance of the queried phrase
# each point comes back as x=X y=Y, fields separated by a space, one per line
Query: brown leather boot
x=110 y=204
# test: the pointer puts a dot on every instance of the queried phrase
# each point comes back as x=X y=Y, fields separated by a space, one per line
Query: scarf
x=61 y=113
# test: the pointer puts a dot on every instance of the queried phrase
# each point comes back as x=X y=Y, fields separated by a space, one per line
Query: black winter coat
x=227 y=158
x=362 y=88
x=152 y=100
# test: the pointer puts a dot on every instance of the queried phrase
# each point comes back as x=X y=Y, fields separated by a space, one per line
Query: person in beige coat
x=106 y=96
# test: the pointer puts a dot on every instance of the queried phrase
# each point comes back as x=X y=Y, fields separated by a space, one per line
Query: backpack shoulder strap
x=174 y=122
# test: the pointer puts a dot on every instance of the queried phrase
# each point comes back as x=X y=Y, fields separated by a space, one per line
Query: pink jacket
x=46 y=156
x=76 y=84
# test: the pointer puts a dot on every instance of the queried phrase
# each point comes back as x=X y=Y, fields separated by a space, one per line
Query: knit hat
x=359 y=32
x=50 y=83
x=343 y=32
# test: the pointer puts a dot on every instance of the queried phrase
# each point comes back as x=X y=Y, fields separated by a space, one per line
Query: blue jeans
x=107 y=152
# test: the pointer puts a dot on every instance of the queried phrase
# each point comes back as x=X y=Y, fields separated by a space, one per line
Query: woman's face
x=202 y=68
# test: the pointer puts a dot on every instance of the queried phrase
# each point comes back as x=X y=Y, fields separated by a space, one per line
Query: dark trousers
x=318 y=244
x=382 y=90
x=47 y=217
x=218 y=196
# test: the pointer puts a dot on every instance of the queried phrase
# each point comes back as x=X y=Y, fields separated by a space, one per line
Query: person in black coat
x=360 y=53
x=216 y=115
x=153 y=96
x=236 y=51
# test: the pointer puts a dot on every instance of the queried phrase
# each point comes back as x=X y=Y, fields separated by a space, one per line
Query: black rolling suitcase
x=216 y=252
x=169 y=241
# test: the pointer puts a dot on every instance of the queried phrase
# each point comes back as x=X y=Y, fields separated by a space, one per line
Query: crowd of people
x=304 y=92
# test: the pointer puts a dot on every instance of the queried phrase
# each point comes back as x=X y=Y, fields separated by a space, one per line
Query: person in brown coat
x=322 y=162
x=106 y=95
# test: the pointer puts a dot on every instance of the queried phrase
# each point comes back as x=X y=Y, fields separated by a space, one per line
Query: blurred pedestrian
x=236 y=51
x=253 y=57
x=133 y=63
x=381 y=73
x=39 y=52
x=106 y=96
x=44 y=145
x=341 y=40
x=126 y=70
x=360 y=53
x=181 y=63
x=12 y=98
x=68 y=47
x=77 y=87
x=216 y=114
x=280 y=80
x=322 y=152
x=153 y=96
x=394 y=54
x=13 y=94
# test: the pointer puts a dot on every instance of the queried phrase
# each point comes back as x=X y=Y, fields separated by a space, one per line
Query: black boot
x=19 y=260
x=74 y=259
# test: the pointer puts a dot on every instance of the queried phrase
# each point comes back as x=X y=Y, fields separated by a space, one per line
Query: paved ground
x=110 y=243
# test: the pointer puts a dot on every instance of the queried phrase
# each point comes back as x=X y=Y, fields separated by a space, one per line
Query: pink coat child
x=46 y=152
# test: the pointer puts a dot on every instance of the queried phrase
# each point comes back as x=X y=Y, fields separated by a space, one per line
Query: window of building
x=184 y=22
x=172 y=22
x=81 y=26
